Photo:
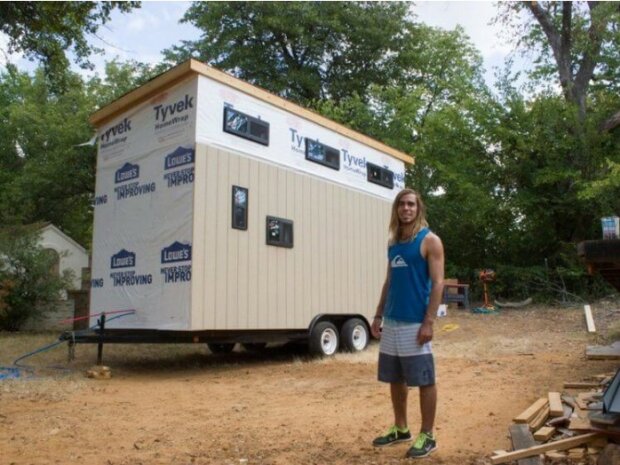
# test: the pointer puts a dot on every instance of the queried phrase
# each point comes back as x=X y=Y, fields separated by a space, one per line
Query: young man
x=409 y=300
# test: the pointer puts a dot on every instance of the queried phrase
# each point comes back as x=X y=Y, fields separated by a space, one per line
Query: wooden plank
x=581 y=384
x=589 y=401
x=580 y=420
x=544 y=434
x=562 y=444
x=558 y=421
x=569 y=400
x=521 y=438
x=604 y=418
x=603 y=352
x=589 y=319
x=539 y=419
x=555 y=404
x=530 y=413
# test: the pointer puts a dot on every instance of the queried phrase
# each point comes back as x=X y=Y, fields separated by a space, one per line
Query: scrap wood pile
x=566 y=429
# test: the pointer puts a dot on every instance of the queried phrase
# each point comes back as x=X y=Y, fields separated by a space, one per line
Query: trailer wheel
x=354 y=335
x=254 y=346
x=323 y=339
x=221 y=347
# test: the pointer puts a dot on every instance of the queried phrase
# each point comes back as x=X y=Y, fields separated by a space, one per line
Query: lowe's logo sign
x=176 y=252
x=127 y=172
x=126 y=259
x=123 y=259
x=181 y=156
x=178 y=173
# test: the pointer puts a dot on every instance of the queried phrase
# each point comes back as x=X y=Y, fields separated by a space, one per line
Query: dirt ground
x=180 y=405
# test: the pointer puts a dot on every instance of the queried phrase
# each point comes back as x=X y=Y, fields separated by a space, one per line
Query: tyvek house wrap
x=149 y=176
x=142 y=243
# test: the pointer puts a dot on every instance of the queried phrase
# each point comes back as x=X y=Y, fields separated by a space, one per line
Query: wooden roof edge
x=183 y=70
x=142 y=93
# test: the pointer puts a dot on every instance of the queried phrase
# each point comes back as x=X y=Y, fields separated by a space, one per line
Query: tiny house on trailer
x=225 y=214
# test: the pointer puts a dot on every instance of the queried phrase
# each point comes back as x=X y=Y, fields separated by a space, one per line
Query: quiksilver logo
x=398 y=262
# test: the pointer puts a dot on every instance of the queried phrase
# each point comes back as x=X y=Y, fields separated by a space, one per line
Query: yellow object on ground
x=449 y=327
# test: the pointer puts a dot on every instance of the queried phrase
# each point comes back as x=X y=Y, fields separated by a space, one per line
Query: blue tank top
x=410 y=283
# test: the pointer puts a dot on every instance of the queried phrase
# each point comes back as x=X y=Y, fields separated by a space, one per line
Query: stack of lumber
x=567 y=428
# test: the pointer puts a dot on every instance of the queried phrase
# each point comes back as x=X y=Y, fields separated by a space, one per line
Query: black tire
x=324 y=339
x=254 y=346
x=354 y=335
x=221 y=347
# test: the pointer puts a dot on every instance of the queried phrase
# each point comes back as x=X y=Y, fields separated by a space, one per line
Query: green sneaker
x=393 y=436
x=424 y=445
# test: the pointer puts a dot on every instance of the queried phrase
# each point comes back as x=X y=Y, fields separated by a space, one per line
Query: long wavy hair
x=396 y=230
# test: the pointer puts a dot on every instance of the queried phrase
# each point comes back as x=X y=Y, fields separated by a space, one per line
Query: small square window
x=239 y=208
x=279 y=232
x=378 y=175
x=322 y=154
x=246 y=126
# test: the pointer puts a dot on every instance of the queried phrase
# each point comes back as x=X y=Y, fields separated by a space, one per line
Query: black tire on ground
x=254 y=346
x=354 y=335
x=324 y=339
x=221 y=347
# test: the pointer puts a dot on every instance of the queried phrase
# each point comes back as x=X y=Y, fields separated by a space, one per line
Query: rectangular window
x=279 y=232
x=323 y=154
x=246 y=126
x=239 y=208
x=378 y=175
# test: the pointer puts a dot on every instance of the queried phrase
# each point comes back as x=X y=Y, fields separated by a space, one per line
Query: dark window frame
x=281 y=242
x=336 y=152
x=235 y=225
x=382 y=171
x=251 y=120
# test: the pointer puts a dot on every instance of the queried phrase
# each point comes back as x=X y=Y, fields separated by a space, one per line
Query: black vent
x=322 y=154
x=246 y=126
x=378 y=175
x=279 y=232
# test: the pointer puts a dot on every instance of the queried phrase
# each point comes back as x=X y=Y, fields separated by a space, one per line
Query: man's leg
x=428 y=406
x=398 y=392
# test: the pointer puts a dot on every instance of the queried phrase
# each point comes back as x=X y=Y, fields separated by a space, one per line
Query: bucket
x=611 y=227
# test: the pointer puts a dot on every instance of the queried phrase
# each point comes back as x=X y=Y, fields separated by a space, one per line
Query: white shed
x=71 y=255
x=222 y=209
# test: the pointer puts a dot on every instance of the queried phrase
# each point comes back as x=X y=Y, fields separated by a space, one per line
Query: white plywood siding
x=337 y=264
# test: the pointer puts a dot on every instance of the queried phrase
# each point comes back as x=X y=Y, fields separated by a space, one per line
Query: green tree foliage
x=28 y=287
x=119 y=79
x=440 y=110
x=45 y=31
x=574 y=42
x=45 y=175
x=563 y=169
x=303 y=51
x=46 y=172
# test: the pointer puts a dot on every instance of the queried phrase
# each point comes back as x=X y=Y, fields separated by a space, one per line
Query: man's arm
x=433 y=251
x=375 y=327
